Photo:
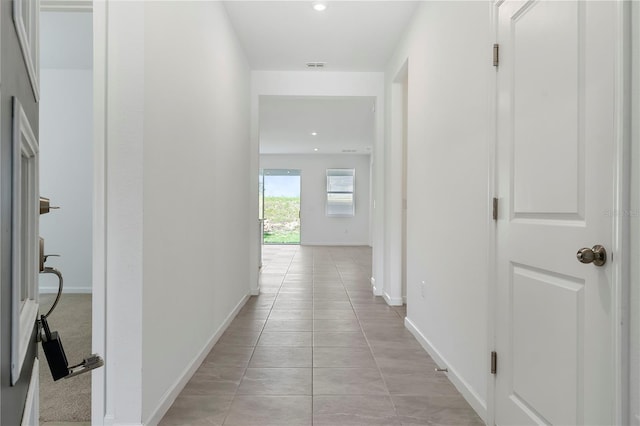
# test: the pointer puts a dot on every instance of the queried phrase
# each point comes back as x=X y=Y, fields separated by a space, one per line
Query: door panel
x=544 y=301
x=17 y=84
x=556 y=82
x=541 y=153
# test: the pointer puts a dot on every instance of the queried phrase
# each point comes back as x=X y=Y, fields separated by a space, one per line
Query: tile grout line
x=235 y=394
x=313 y=323
x=388 y=395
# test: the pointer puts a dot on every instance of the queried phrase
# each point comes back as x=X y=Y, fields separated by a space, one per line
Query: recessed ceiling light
x=314 y=133
x=315 y=149
x=319 y=6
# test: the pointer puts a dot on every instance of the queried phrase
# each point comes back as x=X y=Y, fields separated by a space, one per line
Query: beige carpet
x=67 y=400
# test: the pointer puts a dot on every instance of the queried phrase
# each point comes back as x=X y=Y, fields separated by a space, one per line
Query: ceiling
x=348 y=36
x=283 y=35
x=341 y=124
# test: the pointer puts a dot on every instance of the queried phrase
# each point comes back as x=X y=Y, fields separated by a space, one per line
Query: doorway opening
x=403 y=81
x=398 y=167
x=280 y=193
x=66 y=178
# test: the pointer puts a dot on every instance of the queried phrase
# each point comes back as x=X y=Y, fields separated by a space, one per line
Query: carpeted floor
x=67 y=400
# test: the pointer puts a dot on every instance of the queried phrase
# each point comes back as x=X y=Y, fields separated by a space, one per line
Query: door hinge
x=495 y=208
x=494 y=362
x=496 y=54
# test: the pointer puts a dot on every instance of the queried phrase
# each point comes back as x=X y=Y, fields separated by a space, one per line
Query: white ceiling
x=282 y=35
x=286 y=124
x=348 y=36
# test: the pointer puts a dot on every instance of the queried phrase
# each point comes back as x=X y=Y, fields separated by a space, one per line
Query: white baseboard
x=172 y=393
x=354 y=244
x=66 y=6
x=376 y=291
x=66 y=290
x=476 y=402
x=254 y=291
x=397 y=301
x=404 y=300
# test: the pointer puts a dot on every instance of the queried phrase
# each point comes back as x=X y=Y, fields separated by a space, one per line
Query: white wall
x=119 y=136
x=317 y=227
x=322 y=83
x=66 y=148
x=172 y=149
x=66 y=175
x=448 y=216
x=634 y=375
x=196 y=146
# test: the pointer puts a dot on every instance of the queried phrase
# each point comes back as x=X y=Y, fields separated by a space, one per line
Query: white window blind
x=340 y=191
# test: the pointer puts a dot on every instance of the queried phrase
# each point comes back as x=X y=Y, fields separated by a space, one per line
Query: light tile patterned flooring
x=316 y=348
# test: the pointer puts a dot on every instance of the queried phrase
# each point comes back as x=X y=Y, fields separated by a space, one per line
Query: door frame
x=395 y=187
x=98 y=308
x=621 y=237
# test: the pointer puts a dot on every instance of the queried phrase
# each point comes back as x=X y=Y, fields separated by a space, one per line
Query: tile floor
x=316 y=348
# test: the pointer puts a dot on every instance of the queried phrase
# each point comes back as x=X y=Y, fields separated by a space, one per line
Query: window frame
x=341 y=172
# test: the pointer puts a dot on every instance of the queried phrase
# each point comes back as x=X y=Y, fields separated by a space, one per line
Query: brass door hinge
x=495 y=208
x=496 y=55
x=494 y=362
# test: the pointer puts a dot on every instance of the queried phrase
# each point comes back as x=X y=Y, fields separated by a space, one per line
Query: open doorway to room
x=281 y=206
x=401 y=89
x=66 y=179
x=396 y=208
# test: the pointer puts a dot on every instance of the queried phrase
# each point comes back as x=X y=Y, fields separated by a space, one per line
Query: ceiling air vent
x=349 y=151
x=316 y=64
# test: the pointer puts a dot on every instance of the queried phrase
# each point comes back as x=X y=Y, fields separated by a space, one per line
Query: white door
x=556 y=144
x=19 y=94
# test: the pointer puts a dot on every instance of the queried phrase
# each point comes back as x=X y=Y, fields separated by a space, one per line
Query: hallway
x=315 y=347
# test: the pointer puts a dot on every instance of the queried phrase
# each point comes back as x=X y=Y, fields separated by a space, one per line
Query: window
x=25 y=243
x=340 y=189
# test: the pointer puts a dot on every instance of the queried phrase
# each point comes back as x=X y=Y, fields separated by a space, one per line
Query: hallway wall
x=634 y=215
x=317 y=227
x=66 y=176
x=66 y=149
x=196 y=146
x=448 y=162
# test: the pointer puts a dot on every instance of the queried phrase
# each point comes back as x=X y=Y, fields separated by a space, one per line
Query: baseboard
x=392 y=301
x=353 y=244
x=254 y=291
x=404 y=300
x=376 y=291
x=66 y=290
x=476 y=402
x=172 y=393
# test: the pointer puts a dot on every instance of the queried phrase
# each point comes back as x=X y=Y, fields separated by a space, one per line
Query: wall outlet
x=423 y=288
